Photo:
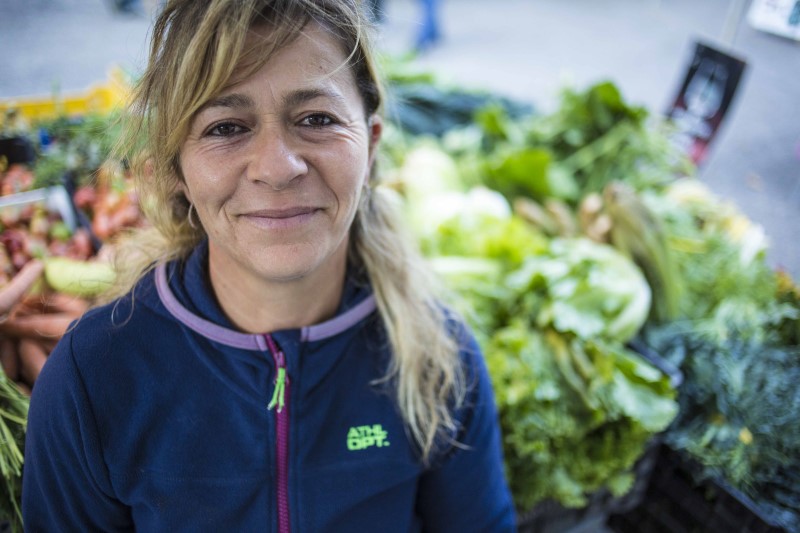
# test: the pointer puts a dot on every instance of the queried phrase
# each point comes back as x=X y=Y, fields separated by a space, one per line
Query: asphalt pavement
x=527 y=50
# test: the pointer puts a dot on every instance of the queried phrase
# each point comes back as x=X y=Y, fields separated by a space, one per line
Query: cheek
x=349 y=183
x=204 y=182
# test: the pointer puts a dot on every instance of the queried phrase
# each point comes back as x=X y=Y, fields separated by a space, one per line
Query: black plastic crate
x=675 y=503
x=552 y=517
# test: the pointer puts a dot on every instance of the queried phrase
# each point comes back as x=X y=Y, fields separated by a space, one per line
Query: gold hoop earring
x=189 y=216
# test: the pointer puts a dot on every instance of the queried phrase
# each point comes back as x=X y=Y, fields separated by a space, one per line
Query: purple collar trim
x=248 y=341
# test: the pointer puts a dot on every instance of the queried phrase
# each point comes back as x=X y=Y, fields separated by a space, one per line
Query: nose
x=275 y=159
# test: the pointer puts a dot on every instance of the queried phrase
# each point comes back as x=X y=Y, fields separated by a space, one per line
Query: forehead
x=310 y=54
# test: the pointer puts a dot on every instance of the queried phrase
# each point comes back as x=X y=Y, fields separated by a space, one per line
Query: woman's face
x=276 y=164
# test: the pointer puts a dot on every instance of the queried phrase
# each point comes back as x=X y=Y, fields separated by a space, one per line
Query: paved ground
x=526 y=49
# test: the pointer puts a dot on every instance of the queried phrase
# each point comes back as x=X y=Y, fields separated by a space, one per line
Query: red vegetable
x=85 y=197
x=17 y=178
x=19 y=285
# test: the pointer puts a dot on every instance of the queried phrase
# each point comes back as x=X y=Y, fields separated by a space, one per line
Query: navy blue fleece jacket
x=151 y=414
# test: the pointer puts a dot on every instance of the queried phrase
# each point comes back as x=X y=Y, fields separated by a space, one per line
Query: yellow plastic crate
x=99 y=98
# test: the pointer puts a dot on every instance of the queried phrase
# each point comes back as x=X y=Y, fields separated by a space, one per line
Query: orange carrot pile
x=31 y=325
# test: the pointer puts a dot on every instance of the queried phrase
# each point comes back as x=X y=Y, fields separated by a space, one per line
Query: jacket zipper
x=280 y=398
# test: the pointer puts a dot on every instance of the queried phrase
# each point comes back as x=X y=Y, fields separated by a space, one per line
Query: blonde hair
x=190 y=63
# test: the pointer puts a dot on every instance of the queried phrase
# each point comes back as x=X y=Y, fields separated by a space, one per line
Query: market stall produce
x=600 y=169
x=53 y=260
x=618 y=302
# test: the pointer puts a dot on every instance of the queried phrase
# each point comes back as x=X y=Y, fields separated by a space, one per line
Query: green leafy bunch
x=473 y=253
x=738 y=411
x=721 y=256
x=593 y=138
x=575 y=414
x=13 y=421
x=79 y=145
x=577 y=408
x=584 y=288
x=737 y=344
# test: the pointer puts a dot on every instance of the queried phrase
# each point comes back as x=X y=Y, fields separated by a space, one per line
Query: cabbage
x=584 y=288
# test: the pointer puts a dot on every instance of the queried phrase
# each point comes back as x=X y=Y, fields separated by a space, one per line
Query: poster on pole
x=703 y=99
x=781 y=17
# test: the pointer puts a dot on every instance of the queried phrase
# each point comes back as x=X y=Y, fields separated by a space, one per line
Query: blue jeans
x=429 y=33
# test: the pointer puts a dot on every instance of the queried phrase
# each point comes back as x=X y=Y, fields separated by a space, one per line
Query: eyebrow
x=231 y=100
x=300 y=96
x=294 y=98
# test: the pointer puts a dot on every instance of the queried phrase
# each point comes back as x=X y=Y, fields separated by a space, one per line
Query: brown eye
x=225 y=129
x=317 y=120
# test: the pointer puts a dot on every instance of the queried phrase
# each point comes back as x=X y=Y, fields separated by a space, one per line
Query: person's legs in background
x=129 y=7
x=429 y=33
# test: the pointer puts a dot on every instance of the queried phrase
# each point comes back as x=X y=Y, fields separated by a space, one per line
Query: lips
x=281 y=213
x=284 y=219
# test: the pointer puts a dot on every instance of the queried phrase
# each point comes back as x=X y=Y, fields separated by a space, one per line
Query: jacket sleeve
x=467 y=490
x=66 y=485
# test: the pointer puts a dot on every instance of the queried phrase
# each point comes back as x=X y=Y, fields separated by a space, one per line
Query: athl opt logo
x=362 y=437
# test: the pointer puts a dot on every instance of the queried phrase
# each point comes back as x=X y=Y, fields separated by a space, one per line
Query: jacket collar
x=185 y=291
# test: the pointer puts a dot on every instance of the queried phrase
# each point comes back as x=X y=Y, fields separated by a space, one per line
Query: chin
x=290 y=265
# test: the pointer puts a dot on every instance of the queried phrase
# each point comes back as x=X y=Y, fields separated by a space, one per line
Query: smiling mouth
x=282 y=213
x=281 y=218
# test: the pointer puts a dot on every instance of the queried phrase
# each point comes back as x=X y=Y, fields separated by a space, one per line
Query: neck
x=255 y=305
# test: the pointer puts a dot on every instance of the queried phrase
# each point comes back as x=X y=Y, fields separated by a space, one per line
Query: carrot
x=19 y=285
x=9 y=358
x=49 y=326
x=101 y=225
x=30 y=305
x=64 y=303
x=51 y=302
x=32 y=358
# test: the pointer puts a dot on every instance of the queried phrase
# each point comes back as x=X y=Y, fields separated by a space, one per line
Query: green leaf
x=652 y=411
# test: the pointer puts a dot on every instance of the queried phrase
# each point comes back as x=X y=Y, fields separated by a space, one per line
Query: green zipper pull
x=280 y=386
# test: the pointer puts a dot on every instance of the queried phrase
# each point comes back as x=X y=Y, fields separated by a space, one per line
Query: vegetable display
x=600 y=169
x=737 y=343
x=50 y=271
x=562 y=238
x=577 y=408
x=13 y=416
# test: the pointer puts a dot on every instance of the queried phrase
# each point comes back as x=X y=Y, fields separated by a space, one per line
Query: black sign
x=704 y=98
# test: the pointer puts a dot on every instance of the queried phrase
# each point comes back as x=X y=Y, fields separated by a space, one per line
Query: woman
x=276 y=360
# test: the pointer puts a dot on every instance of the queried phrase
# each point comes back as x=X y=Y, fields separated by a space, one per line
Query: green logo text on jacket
x=361 y=437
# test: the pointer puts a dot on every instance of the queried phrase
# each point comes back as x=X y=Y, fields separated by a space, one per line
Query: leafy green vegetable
x=472 y=245
x=593 y=138
x=78 y=145
x=738 y=415
x=473 y=233
x=638 y=232
x=577 y=408
x=529 y=172
x=722 y=263
x=583 y=288
x=575 y=414
x=738 y=346
x=788 y=297
x=13 y=421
